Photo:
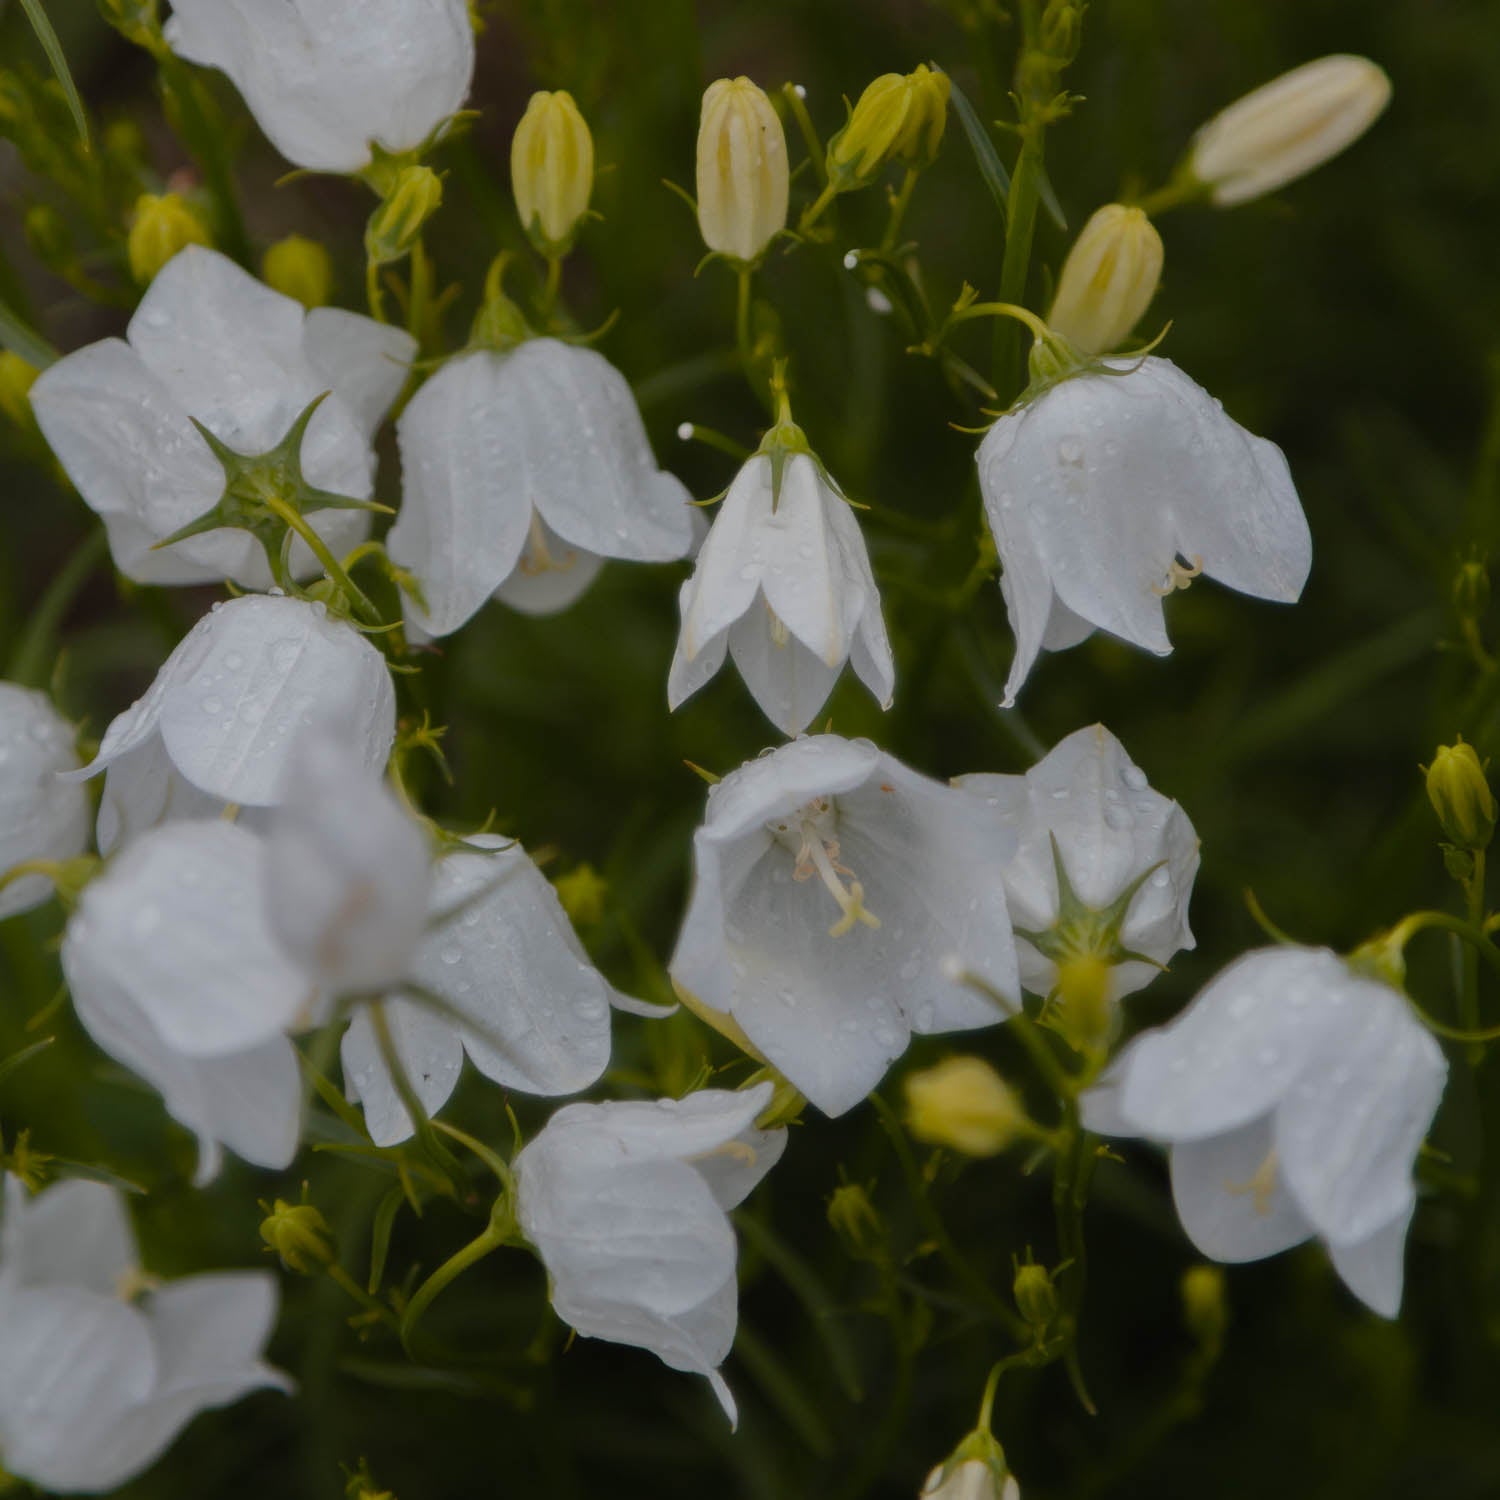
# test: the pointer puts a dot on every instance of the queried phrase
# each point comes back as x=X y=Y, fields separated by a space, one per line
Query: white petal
x=142 y=789
x=736 y=1168
x=1229 y=1212
x=687 y=676
x=324 y=78
x=42 y=816
x=346 y=871
x=430 y=1051
x=549 y=577
x=75 y=1233
x=870 y=649
x=177 y=921
x=465 y=512
x=364 y=363
x=728 y=570
x=1373 y=1268
x=789 y=682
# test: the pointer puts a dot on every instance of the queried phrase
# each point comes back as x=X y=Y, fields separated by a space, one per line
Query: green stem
x=1070 y=1190
x=900 y=201
x=798 y=106
x=421 y=1123
x=1183 y=188
x=374 y=294
x=814 y=211
x=370 y=1303
x=550 y=290
x=1468 y=1004
x=493 y=1238
x=30 y=663
x=356 y=596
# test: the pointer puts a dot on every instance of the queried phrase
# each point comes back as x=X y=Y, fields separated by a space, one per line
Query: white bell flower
x=209 y=342
x=1120 y=483
x=327 y=78
x=228 y=705
x=628 y=1204
x=831 y=884
x=1128 y=857
x=175 y=973
x=783 y=584
x=972 y=1479
x=522 y=471
x=41 y=815
x=102 y=1367
x=1294 y=1093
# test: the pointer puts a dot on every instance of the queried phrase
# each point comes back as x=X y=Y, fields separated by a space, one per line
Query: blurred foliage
x=1354 y=319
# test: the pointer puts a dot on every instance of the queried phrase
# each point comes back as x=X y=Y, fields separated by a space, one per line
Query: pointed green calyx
x=267 y=493
x=785 y=438
x=500 y=325
x=1082 y=931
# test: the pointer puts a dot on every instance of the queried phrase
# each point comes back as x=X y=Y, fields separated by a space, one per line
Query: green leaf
x=24 y=1056
x=991 y=168
x=1049 y=198
x=19 y=338
x=53 y=48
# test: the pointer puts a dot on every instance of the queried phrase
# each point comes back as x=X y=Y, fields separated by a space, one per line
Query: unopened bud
x=300 y=268
x=1471 y=590
x=742 y=170
x=16 y=380
x=1062 y=30
x=161 y=225
x=300 y=1235
x=1108 y=280
x=1036 y=1297
x=964 y=1103
x=1205 y=1307
x=1085 y=1011
x=1287 y=127
x=582 y=892
x=552 y=170
x=857 y=1222
x=899 y=117
x=1461 y=797
x=415 y=195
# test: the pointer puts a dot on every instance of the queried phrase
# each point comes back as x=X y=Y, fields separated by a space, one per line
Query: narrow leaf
x=19 y=338
x=24 y=1056
x=53 y=48
x=991 y=168
x=1049 y=198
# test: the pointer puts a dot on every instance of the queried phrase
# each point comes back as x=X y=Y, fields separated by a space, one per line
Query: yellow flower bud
x=415 y=195
x=1205 y=1307
x=301 y=268
x=1108 y=279
x=964 y=1103
x=1285 y=128
x=300 y=1235
x=899 y=117
x=742 y=170
x=857 y=1222
x=16 y=380
x=1036 y=1297
x=161 y=225
x=552 y=170
x=1461 y=796
x=582 y=893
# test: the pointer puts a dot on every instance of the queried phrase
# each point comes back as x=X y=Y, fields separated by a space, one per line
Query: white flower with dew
x=209 y=342
x=227 y=706
x=1115 y=486
x=521 y=472
x=326 y=79
x=1294 y=1094
x=783 y=585
x=1087 y=805
x=830 y=884
x=42 y=816
x=628 y=1205
x=101 y=1367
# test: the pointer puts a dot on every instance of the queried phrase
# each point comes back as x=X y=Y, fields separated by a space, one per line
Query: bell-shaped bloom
x=783 y=585
x=210 y=343
x=327 y=78
x=831 y=884
x=1086 y=807
x=176 y=974
x=1294 y=1093
x=521 y=471
x=628 y=1205
x=41 y=815
x=100 y=1366
x=1286 y=128
x=1120 y=483
x=227 y=706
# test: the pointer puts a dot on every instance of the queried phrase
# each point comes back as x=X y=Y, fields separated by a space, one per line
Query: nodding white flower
x=210 y=343
x=1287 y=127
x=783 y=584
x=1294 y=1093
x=175 y=973
x=327 y=78
x=521 y=472
x=101 y=1366
x=831 y=883
x=227 y=706
x=1104 y=866
x=628 y=1205
x=970 y=1479
x=41 y=815
x=1119 y=484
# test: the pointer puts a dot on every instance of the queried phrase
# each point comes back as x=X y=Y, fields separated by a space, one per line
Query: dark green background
x=1354 y=319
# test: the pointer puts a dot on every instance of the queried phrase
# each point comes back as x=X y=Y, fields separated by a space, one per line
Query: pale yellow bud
x=552 y=170
x=299 y=267
x=16 y=380
x=898 y=117
x=159 y=228
x=1108 y=279
x=1287 y=127
x=1205 y=1304
x=964 y=1103
x=742 y=170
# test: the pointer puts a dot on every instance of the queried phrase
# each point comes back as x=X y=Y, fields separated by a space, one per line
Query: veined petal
x=142 y=788
x=730 y=562
x=686 y=677
x=789 y=682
